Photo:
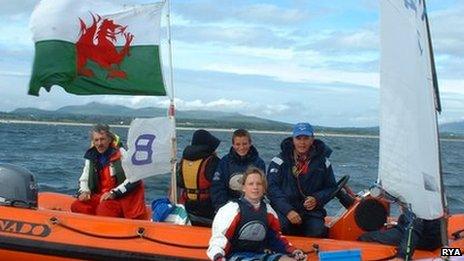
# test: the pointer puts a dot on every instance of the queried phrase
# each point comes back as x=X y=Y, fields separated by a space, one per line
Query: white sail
x=409 y=164
x=149 y=144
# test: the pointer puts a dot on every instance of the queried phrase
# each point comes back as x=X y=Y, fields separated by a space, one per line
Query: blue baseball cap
x=303 y=129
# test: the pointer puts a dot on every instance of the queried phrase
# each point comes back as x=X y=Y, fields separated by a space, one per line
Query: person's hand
x=84 y=196
x=294 y=217
x=219 y=257
x=310 y=203
x=106 y=196
x=299 y=255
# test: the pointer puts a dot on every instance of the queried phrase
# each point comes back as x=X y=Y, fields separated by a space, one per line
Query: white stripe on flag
x=59 y=19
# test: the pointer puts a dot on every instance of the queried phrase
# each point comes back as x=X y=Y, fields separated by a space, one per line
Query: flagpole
x=171 y=114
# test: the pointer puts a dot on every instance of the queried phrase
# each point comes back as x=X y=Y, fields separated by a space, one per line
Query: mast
x=444 y=220
x=171 y=113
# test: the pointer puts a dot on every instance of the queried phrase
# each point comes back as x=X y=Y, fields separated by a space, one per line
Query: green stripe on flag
x=55 y=64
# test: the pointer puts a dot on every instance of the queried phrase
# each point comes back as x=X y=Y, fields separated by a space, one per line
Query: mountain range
x=119 y=114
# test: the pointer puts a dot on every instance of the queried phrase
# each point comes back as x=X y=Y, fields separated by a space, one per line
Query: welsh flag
x=94 y=47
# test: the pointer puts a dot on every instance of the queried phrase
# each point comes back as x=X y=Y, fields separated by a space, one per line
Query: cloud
x=447 y=29
x=271 y=14
x=231 y=35
x=371 y=5
x=289 y=72
x=450 y=68
x=222 y=104
x=208 y=11
x=214 y=105
x=363 y=40
x=451 y=85
x=15 y=35
x=280 y=109
x=370 y=65
x=452 y=107
x=14 y=73
x=16 y=7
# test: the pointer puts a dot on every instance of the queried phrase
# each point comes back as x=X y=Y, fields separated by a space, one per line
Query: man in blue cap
x=301 y=182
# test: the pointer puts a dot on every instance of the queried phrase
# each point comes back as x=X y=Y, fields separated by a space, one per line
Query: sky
x=288 y=60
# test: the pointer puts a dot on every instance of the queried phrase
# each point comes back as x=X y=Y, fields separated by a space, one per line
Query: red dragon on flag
x=97 y=43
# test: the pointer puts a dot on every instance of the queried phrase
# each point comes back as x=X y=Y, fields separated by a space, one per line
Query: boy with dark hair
x=228 y=177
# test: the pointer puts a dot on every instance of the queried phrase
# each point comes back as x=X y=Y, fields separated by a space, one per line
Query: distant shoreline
x=365 y=136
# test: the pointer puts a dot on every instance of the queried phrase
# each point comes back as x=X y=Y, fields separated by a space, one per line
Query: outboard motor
x=18 y=187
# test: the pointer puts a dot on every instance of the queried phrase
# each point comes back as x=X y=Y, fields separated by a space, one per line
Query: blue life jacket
x=161 y=208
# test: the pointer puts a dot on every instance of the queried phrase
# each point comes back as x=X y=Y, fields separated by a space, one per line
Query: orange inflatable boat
x=52 y=232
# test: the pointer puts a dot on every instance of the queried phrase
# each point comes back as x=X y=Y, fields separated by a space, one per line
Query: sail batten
x=409 y=166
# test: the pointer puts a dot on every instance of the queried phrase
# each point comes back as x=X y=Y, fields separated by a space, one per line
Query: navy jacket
x=285 y=193
x=202 y=208
x=232 y=166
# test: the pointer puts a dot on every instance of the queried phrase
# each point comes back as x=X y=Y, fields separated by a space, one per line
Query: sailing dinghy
x=409 y=170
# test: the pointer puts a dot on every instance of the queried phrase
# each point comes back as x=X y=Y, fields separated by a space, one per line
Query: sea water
x=54 y=153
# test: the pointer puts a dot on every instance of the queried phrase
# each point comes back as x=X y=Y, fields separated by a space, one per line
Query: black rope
x=55 y=221
x=383 y=258
x=457 y=234
x=140 y=234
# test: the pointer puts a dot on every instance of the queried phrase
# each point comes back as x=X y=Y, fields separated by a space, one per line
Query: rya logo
x=450 y=251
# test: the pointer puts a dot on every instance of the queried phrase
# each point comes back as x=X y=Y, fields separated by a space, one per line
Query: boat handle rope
x=55 y=221
x=457 y=234
x=139 y=234
x=384 y=258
